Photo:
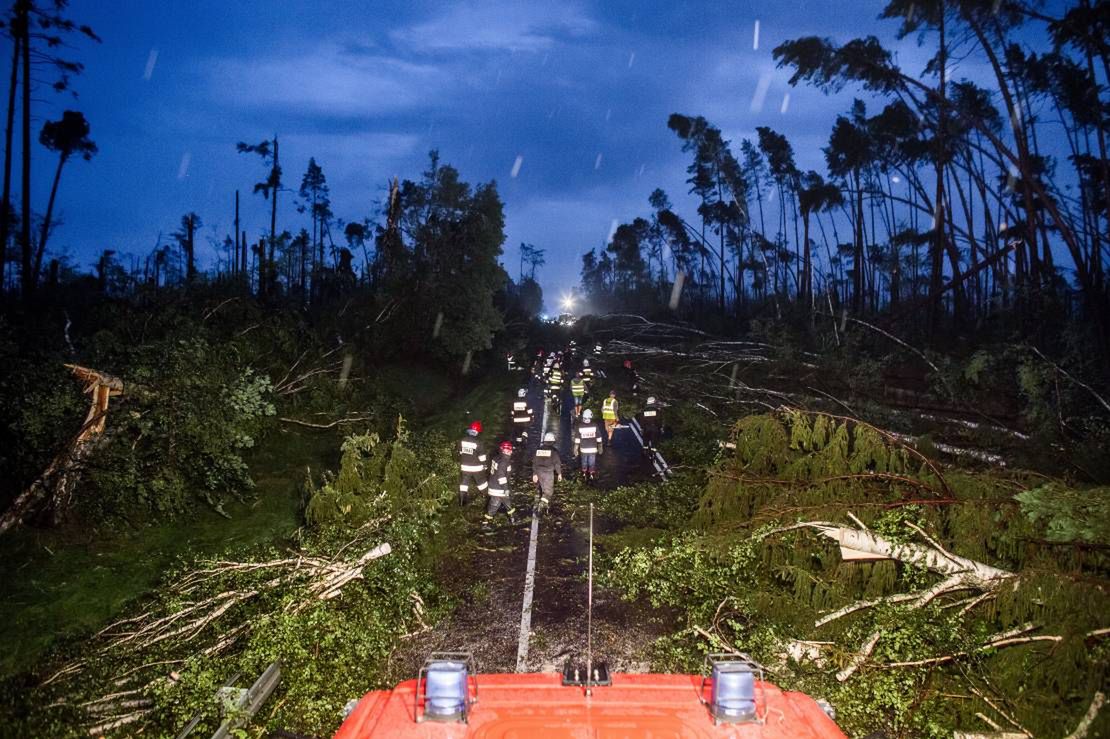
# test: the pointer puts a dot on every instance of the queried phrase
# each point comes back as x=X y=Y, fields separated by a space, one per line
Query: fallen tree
x=53 y=489
x=914 y=595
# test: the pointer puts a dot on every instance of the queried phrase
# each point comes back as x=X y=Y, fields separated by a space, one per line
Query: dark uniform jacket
x=587 y=437
x=471 y=456
x=651 y=418
x=522 y=414
x=547 y=461
x=500 y=467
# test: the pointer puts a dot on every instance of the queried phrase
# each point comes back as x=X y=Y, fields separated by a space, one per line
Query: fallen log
x=960 y=573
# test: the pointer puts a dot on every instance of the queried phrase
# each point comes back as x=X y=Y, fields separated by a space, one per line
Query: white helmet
x=587 y=415
x=521 y=393
x=549 y=436
x=651 y=400
x=585 y=363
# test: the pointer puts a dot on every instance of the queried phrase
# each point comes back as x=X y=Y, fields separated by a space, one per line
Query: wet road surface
x=488 y=620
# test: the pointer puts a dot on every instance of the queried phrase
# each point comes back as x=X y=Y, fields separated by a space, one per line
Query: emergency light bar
x=444 y=684
x=735 y=678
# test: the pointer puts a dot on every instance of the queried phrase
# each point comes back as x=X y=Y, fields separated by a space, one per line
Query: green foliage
x=191 y=414
x=330 y=650
x=374 y=478
x=739 y=576
x=449 y=273
x=667 y=504
x=1069 y=515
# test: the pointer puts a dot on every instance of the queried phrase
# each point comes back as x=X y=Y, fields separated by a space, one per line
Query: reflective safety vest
x=578 y=388
x=609 y=409
x=586 y=438
x=471 y=458
x=521 y=412
x=556 y=378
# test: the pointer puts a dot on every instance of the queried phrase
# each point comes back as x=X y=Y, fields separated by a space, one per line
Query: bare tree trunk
x=5 y=215
x=23 y=10
x=273 y=218
x=41 y=249
x=235 y=269
x=857 y=278
x=936 y=262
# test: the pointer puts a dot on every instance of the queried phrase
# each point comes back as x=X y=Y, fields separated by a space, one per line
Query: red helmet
x=628 y=364
x=476 y=427
x=507 y=447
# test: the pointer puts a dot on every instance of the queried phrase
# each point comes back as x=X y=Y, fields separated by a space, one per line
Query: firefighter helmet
x=549 y=437
x=507 y=447
x=476 y=427
x=587 y=415
x=521 y=393
x=651 y=400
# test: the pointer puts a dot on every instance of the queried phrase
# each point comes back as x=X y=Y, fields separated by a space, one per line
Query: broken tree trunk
x=960 y=573
x=57 y=482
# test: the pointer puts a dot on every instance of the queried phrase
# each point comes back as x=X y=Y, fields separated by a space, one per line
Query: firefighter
x=587 y=445
x=632 y=377
x=651 y=421
x=587 y=372
x=555 y=385
x=500 y=467
x=510 y=362
x=610 y=412
x=578 y=390
x=547 y=468
x=521 y=415
x=472 y=463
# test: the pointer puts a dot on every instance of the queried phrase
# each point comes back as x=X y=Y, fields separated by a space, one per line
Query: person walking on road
x=547 y=469
x=522 y=415
x=651 y=422
x=500 y=467
x=472 y=463
x=578 y=390
x=632 y=378
x=610 y=413
x=587 y=445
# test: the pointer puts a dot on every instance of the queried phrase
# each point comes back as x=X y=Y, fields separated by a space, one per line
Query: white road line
x=529 y=576
x=657 y=460
x=526 y=607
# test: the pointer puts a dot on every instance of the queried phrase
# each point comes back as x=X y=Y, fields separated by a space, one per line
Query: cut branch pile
x=201 y=617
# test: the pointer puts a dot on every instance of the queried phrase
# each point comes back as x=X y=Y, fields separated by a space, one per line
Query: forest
x=886 y=392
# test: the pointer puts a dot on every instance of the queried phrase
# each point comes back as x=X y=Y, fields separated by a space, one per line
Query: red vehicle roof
x=538 y=705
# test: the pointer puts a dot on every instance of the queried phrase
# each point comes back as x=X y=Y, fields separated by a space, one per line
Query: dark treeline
x=430 y=252
x=946 y=205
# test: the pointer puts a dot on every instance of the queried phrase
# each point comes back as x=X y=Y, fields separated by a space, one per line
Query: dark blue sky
x=580 y=91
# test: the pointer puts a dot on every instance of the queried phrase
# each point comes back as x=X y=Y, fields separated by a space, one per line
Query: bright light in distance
x=568 y=302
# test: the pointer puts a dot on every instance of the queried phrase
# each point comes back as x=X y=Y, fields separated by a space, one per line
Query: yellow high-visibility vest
x=578 y=387
x=609 y=409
